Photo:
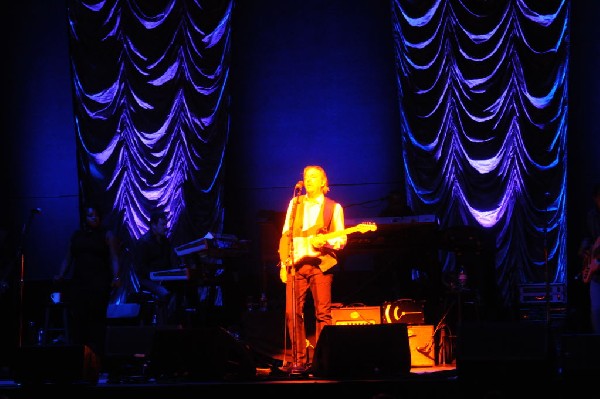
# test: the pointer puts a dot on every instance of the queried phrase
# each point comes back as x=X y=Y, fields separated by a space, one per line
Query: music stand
x=21 y=258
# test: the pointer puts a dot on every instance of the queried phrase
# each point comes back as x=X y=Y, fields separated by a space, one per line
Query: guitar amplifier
x=354 y=316
x=407 y=311
x=422 y=345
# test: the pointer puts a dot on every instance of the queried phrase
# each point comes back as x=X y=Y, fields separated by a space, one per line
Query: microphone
x=299 y=185
x=36 y=211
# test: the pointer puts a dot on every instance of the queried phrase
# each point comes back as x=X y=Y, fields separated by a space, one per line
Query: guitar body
x=325 y=258
x=590 y=262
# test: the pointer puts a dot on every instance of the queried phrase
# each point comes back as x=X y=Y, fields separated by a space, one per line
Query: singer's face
x=92 y=218
x=313 y=181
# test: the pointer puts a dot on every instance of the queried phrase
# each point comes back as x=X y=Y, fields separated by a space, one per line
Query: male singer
x=312 y=233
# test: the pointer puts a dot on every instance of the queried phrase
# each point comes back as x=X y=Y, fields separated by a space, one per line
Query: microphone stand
x=547 y=270
x=21 y=257
x=295 y=343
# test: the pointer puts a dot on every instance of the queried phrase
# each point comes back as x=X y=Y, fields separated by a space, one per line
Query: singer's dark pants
x=307 y=277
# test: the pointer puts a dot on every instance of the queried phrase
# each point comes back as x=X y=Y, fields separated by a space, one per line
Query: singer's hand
x=283 y=274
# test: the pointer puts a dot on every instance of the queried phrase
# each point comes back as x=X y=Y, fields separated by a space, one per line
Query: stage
x=492 y=360
x=482 y=359
x=434 y=382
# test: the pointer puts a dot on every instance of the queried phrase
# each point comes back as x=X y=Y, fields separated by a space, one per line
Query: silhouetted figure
x=92 y=261
x=154 y=252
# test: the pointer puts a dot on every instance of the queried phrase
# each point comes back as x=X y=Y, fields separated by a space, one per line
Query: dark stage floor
x=489 y=360
x=481 y=359
x=433 y=382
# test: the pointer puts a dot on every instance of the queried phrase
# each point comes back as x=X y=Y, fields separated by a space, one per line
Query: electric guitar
x=590 y=262
x=308 y=249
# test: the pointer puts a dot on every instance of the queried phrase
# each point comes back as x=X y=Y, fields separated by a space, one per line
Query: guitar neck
x=336 y=234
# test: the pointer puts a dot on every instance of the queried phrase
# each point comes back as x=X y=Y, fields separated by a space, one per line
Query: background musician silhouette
x=154 y=252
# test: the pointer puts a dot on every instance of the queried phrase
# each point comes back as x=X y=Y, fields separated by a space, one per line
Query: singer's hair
x=324 y=175
x=84 y=210
x=91 y=205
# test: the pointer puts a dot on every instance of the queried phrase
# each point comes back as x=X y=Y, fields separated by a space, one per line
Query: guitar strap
x=327 y=210
x=328 y=213
x=323 y=223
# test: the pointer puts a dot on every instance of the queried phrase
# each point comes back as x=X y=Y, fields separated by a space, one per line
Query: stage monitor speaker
x=363 y=351
x=123 y=341
x=200 y=354
x=505 y=351
x=57 y=364
x=127 y=350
